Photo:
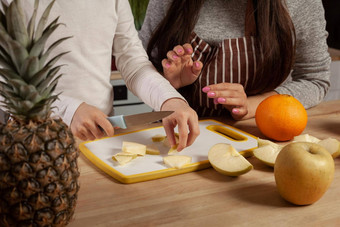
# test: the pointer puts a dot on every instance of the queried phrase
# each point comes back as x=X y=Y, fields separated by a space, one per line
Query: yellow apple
x=173 y=150
x=177 y=161
x=332 y=146
x=134 y=148
x=225 y=159
x=303 y=172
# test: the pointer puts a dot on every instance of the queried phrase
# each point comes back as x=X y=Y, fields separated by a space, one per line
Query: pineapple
x=38 y=155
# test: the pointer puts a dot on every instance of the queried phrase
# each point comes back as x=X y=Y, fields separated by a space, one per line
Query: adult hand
x=90 y=123
x=231 y=96
x=179 y=68
x=186 y=119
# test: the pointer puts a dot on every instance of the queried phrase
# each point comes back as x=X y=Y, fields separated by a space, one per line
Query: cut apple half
x=225 y=159
x=134 y=148
x=306 y=138
x=152 y=149
x=332 y=146
x=177 y=161
x=123 y=157
x=267 y=153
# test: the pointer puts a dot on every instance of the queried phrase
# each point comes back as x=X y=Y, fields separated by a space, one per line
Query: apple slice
x=177 y=161
x=134 y=148
x=225 y=159
x=152 y=149
x=332 y=146
x=306 y=138
x=263 y=142
x=123 y=157
x=267 y=153
x=173 y=150
x=158 y=138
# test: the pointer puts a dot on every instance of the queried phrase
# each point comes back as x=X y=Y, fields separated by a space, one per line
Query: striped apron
x=232 y=61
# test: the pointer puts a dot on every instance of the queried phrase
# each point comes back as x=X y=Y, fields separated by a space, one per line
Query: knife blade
x=125 y=121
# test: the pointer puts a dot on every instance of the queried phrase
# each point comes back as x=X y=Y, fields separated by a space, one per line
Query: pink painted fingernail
x=221 y=100
x=167 y=65
x=174 y=56
x=206 y=89
x=197 y=64
x=179 y=50
x=189 y=50
x=211 y=94
x=236 y=111
x=215 y=101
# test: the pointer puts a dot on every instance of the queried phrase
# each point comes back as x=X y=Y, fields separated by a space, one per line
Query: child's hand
x=179 y=68
x=90 y=123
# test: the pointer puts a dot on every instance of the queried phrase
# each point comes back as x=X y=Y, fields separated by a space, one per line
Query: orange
x=281 y=117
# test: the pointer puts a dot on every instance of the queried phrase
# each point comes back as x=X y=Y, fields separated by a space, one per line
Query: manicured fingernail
x=197 y=64
x=174 y=56
x=206 y=89
x=236 y=111
x=221 y=100
x=179 y=50
x=215 y=101
x=211 y=94
x=189 y=50
x=167 y=65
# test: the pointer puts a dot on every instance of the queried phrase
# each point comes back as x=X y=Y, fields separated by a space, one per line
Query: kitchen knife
x=124 y=122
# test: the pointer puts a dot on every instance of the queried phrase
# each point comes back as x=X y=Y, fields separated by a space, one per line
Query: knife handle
x=117 y=121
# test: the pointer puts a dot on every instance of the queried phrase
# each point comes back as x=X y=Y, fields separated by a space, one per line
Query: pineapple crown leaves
x=29 y=80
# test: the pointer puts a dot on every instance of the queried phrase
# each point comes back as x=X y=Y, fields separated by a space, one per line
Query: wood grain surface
x=207 y=198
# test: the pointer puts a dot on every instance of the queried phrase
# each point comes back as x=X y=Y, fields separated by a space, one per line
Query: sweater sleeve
x=132 y=61
x=310 y=77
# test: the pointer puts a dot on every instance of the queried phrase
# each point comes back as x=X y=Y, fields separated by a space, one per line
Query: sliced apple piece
x=306 y=138
x=225 y=159
x=263 y=142
x=134 y=148
x=158 y=138
x=267 y=153
x=177 y=161
x=152 y=149
x=166 y=141
x=332 y=146
x=123 y=157
x=173 y=150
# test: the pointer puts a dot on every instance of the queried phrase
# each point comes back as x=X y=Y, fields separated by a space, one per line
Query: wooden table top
x=207 y=198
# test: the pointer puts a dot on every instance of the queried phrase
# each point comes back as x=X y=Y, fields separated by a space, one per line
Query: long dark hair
x=275 y=38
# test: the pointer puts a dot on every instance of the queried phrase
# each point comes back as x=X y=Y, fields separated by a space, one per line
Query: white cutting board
x=150 y=167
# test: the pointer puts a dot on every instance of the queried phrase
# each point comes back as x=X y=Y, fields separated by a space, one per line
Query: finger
x=172 y=56
x=169 y=131
x=188 y=48
x=106 y=126
x=179 y=50
x=183 y=134
x=166 y=64
x=194 y=131
x=230 y=101
x=197 y=67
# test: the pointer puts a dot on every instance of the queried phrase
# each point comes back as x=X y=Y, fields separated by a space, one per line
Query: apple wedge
x=306 y=138
x=332 y=146
x=123 y=157
x=267 y=153
x=225 y=159
x=134 y=148
x=177 y=161
x=263 y=142
x=158 y=138
x=152 y=149
x=173 y=150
